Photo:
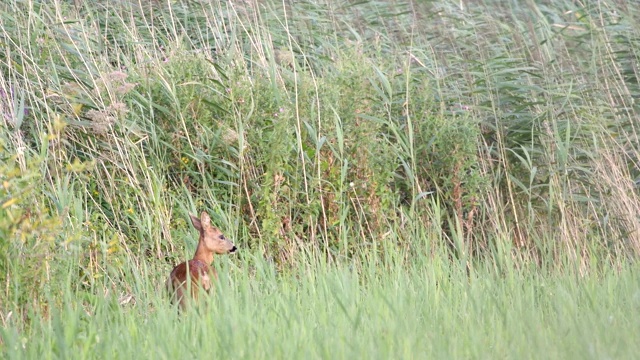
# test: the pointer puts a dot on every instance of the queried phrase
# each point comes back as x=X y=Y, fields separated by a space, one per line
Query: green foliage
x=27 y=230
x=380 y=135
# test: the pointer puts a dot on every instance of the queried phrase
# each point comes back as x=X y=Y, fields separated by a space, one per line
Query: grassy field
x=425 y=310
x=404 y=179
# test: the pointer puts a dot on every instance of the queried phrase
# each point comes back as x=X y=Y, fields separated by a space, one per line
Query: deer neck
x=203 y=254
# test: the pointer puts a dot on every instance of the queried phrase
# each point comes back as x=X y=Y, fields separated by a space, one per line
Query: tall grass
x=361 y=141
x=430 y=310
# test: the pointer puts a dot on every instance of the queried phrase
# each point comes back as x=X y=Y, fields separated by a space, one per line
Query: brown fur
x=196 y=273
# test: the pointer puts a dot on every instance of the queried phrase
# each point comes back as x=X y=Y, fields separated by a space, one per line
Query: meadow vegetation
x=404 y=179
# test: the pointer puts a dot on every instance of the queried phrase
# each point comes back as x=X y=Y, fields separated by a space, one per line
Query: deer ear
x=205 y=219
x=196 y=222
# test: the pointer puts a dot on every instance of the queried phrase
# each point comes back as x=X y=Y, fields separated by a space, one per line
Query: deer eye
x=221 y=237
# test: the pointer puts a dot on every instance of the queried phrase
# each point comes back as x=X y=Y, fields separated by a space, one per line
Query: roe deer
x=196 y=272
